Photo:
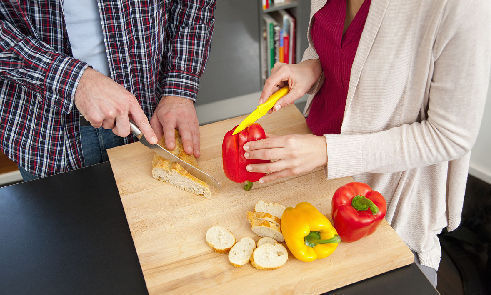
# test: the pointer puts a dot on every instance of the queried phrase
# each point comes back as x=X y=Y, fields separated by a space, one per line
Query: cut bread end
x=241 y=252
x=219 y=239
x=175 y=174
x=269 y=256
x=274 y=209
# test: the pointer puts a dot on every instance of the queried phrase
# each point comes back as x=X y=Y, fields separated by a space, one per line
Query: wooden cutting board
x=168 y=225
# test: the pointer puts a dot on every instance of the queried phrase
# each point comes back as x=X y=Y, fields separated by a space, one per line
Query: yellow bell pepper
x=308 y=233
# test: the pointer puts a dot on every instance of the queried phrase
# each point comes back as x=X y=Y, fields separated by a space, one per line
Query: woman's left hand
x=290 y=155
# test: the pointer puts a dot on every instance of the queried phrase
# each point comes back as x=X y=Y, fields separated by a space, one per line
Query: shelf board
x=276 y=7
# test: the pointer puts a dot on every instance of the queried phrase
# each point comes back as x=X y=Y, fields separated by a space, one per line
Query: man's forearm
x=36 y=66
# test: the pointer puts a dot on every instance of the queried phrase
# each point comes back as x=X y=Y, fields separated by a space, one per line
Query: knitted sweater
x=415 y=100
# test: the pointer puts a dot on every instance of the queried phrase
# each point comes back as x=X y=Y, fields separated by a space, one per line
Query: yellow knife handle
x=274 y=98
x=261 y=109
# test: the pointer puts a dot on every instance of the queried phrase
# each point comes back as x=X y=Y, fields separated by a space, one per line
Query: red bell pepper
x=234 y=163
x=357 y=211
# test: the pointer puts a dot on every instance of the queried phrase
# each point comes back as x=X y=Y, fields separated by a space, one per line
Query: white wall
x=480 y=165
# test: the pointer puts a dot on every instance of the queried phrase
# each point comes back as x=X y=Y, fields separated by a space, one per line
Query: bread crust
x=161 y=164
x=221 y=251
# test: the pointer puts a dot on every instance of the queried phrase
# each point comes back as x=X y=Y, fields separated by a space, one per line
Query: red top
x=336 y=54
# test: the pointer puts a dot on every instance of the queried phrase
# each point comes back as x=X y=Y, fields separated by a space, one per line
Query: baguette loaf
x=219 y=239
x=269 y=256
x=174 y=174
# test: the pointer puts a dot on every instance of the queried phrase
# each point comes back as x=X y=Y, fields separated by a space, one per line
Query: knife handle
x=135 y=130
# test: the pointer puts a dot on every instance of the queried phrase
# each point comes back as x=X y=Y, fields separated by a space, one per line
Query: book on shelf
x=288 y=28
x=278 y=41
x=272 y=28
x=269 y=3
x=264 y=55
x=265 y=4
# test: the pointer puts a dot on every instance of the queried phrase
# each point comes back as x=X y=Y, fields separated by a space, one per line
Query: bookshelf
x=296 y=10
x=233 y=68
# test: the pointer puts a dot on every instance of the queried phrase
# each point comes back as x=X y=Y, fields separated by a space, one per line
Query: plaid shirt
x=155 y=47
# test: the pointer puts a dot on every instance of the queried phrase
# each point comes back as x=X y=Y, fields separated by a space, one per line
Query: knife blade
x=261 y=109
x=164 y=153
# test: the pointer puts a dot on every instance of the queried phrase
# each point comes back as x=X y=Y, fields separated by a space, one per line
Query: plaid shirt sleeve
x=188 y=38
x=35 y=65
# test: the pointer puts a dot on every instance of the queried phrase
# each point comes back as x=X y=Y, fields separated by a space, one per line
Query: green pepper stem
x=362 y=203
x=248 y=185
x=314 y=238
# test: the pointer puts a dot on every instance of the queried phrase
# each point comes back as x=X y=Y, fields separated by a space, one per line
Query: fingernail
x=261 y=180
x=246 y=155
x=246 y=147
x=248 y=168
x=277 y=107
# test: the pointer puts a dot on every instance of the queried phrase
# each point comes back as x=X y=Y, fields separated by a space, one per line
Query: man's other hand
x=105 y=103
x=177 y=112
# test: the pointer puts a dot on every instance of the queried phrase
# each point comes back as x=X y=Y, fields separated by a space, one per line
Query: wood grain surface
x=168 y=225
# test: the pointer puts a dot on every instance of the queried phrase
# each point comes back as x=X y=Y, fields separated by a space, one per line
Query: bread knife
x=161 y=151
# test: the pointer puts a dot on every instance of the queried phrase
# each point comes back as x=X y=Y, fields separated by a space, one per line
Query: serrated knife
x=161 y=151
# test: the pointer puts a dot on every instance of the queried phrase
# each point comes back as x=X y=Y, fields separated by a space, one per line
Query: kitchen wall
x=480 y=166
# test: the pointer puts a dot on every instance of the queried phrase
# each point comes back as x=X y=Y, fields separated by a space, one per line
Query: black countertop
x=67 y=234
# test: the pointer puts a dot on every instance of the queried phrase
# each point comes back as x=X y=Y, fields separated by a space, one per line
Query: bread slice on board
x=266 y=240
x=241 y=252
x=274 y=209
x=174 y=174
x=220 y=239
x=269 y=256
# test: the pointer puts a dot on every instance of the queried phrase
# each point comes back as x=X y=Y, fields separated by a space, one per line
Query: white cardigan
x=415 y=100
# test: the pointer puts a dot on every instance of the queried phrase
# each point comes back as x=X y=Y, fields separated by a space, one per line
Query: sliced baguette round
x=241 y=252
x=266 y=240
x=219 y=239
x=264 y=228
x=269 y=256
x=274 y=209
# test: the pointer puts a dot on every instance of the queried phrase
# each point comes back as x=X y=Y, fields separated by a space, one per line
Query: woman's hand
x=299 y=78
x=290 y=155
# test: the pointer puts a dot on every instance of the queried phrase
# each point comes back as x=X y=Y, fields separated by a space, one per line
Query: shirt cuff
x=180 y=84
x=63 y=78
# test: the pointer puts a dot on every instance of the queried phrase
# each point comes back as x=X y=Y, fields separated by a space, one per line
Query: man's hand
x=105 y=103
x=177 y=112
x=290 y=155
